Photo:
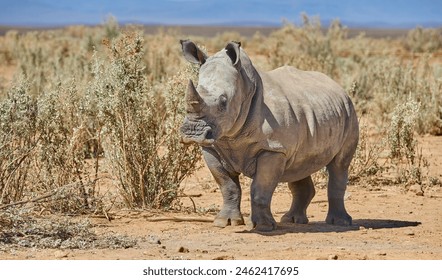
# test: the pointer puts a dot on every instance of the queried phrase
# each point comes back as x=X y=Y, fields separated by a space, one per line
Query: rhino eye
x=222 y=105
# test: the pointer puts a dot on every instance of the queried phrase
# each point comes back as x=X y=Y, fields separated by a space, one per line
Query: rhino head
x=215 y=104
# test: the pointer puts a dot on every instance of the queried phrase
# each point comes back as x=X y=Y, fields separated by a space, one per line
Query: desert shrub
x=50 y=58
x=140 y=126
x=423 y=40
x=162 y=56
x=42 y=149
x=384 y=83
x=367 y=160
x=404 y=151
x=55 y=119
x=306 y=47
x=392 y=155
x=111 y=27
x=18 y=142
x=220 y=40
x=7 y=44
x=60 y=157
x=401 y=132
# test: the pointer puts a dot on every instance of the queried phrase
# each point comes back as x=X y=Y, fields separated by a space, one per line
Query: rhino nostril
x=209 y=134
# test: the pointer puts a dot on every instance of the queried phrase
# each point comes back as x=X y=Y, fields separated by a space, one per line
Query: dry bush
x=7 y=44
x=394 y=156
x=55 y=119
x=423 y=40
x=42 y=149
x=140 y=126
x=384 y=83
x=43 y=137
x=18 y=141
x=307 y=47
x=404 y=151
x=367 y=161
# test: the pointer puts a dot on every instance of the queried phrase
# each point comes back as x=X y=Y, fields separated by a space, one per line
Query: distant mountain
x=361 y=13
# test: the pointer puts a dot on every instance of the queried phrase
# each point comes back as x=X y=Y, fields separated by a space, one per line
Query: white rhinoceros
x=276 y=126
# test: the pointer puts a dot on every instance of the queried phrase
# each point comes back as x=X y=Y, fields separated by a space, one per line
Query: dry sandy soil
x=389 y=223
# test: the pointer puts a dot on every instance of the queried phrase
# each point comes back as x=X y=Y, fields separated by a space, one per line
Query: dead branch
x=29 y=200
x=44 y=196
x=180 y=219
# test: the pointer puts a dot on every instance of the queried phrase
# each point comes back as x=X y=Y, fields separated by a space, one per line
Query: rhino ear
x=192 y=53
x=232 y=50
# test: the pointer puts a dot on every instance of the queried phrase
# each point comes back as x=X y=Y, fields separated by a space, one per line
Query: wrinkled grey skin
x=276 y=126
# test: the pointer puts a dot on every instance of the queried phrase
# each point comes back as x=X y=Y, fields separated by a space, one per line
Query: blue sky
x=367 y=13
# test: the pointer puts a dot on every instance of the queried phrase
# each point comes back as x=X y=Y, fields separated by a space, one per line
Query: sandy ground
x=389 y=222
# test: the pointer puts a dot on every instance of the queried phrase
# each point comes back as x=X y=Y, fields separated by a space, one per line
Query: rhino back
x=307 y=116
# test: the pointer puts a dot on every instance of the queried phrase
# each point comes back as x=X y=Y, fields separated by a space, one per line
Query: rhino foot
x=265 y=227
x=264 y=223
x=339 y=219
x=297 y=219
x=223 y=220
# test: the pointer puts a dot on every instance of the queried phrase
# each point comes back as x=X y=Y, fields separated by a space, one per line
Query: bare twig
x=47 y=195
x=180 y=219
x=44 y=196
x=191 y=199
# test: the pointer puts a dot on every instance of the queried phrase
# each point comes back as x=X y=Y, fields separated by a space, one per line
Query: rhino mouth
x=198 y=132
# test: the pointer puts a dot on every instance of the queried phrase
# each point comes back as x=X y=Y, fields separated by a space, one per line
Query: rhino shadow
x=322 y=227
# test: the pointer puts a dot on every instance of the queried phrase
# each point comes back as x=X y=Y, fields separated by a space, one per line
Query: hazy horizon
x=363 y=13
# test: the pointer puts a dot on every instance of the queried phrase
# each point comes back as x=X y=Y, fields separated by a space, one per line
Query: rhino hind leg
x=269 y=169
x=337 y=185
x=303 y=192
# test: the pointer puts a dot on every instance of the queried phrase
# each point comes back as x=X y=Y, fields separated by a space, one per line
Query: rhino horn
x=193 y=99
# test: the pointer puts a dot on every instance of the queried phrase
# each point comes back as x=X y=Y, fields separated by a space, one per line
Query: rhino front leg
x=269 y=169
x=303 y=192
x=230 y=213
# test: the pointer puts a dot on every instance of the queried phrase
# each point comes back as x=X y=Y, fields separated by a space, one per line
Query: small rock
x=61 y=254
x=381 y=253
x=409 y=232
x=332 y=257
x=152 y=239
x=183 y=250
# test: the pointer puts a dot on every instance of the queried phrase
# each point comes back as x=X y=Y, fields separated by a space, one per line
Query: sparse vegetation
x=93 y=102
x=423 y=40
